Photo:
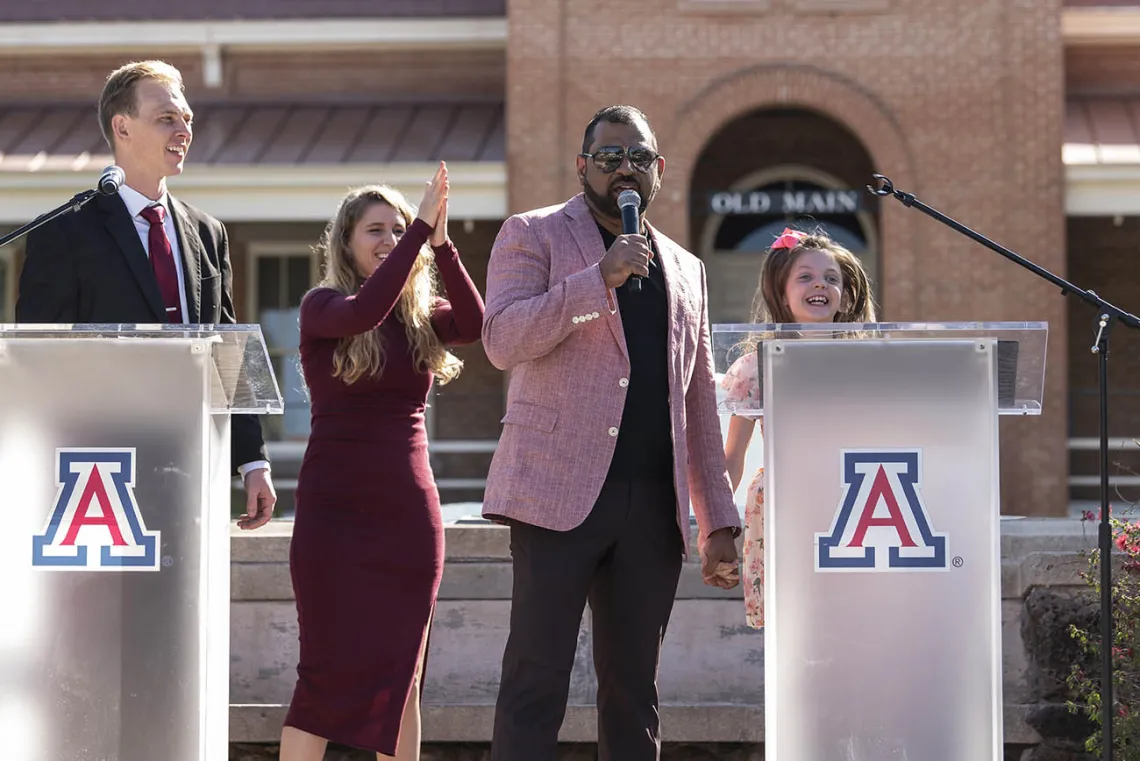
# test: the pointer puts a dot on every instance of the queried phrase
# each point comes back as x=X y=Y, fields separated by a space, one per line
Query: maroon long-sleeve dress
x=367 y=549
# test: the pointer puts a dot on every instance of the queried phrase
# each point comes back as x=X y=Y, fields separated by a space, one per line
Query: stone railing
x=712 y=667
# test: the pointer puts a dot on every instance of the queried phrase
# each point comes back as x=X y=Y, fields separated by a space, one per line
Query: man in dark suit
x=142 y=256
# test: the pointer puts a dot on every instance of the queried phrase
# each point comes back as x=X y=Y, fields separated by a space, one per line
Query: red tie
x=162 y=260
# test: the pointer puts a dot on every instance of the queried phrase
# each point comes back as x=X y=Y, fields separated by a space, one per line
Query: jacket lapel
x=675 y=289
x=585 y=232
x=118 y=222
x=190 y=244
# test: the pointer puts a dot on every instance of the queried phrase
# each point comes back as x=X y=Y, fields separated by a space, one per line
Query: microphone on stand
x=630 y=203
x=112 y=178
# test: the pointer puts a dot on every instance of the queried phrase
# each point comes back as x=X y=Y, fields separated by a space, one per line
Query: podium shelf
x=241 y=377
x=1020 y=349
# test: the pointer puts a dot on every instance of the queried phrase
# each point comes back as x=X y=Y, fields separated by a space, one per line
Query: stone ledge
x=1036 y=569
x=268 y=544
x=679 y=723
x=480 y=580
x=1041 y=553
x=491 y=542
x=484 y=579
x=1022 y=535
x=1035 y=552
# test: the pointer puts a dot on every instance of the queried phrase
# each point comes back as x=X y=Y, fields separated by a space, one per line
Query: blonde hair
x=857 y=304
x=119 y=96
x=364 y=354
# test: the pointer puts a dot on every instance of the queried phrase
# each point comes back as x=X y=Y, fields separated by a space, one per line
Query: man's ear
x=120 y=126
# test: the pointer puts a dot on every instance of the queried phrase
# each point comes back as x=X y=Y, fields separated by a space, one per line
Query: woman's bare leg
x=301 y=746
x=408 y=748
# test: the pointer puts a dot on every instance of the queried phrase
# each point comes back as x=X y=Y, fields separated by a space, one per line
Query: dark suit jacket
x=90 y=267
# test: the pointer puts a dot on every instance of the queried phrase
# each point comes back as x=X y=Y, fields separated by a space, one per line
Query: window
x=748 y=217
x=280 y=275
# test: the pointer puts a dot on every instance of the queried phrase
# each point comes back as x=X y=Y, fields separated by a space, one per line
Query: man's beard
x=607 y=205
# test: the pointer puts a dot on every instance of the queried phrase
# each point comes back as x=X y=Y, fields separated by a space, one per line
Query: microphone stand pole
x=75 y=204
x=1107 y=316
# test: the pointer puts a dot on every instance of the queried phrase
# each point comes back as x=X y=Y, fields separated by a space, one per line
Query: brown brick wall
x=355 y=75
x=369 y=74
x=142 y=10
x=1102 y=69
x=76 y=78
x=975 y=131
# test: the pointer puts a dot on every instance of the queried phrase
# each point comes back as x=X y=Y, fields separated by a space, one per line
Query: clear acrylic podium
x=882 y=560
x=115 y=487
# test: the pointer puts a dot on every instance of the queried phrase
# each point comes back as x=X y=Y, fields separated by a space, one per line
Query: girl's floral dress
x=741 y=384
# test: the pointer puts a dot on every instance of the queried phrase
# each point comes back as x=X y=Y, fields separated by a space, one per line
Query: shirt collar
x=136 y=201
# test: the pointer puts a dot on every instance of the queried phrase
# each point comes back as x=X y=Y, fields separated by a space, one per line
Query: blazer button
x=623 y=382
x=613 y=431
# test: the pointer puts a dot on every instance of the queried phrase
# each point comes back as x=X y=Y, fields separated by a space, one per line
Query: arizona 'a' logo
x=95 y=524
x=882 y=523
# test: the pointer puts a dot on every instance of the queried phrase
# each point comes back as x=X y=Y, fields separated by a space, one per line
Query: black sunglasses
x=608 y=158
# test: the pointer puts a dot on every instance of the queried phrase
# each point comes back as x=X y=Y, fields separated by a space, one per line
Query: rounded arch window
x=753 y=218
x=747 y=217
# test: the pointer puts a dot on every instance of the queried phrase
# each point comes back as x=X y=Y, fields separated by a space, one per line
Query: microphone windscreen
x=110 y=181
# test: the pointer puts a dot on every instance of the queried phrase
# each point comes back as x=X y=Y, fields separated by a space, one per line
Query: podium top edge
x=147 y=329
x=896 y=327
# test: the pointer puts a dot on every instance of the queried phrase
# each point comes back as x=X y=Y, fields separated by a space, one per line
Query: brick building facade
x=1019 y=119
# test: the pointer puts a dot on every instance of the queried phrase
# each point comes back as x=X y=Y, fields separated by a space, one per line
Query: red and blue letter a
x=882 y=523
x=95 y=524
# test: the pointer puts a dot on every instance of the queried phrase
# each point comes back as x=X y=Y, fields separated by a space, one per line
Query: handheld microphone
x=630 y=203
x=112 y=178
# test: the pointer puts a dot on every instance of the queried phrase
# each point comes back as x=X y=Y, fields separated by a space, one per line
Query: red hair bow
x=788 y=239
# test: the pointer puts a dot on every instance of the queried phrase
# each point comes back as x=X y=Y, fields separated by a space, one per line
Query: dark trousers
x=625 y=559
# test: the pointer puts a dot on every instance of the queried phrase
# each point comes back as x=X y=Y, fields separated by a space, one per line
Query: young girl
x=806 y=278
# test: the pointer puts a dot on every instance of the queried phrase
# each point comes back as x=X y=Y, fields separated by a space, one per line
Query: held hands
x=435 y=200
x=719 y=566
x=629 y=255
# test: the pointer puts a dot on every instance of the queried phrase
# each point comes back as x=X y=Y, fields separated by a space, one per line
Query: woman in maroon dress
x=367 y=549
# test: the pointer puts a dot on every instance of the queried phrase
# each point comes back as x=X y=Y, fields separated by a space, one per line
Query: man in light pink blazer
x=610 y=430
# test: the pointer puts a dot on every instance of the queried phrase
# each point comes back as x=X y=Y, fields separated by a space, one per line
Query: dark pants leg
x=626 y=558
x=631 y=599
x=552 y=575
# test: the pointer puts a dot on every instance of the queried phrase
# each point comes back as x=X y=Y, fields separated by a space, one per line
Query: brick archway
x=698 y=120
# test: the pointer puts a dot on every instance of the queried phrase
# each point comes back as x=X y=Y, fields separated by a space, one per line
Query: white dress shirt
x=136 y=202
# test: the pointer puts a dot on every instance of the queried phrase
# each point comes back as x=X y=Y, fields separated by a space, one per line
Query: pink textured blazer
x=551 y=321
